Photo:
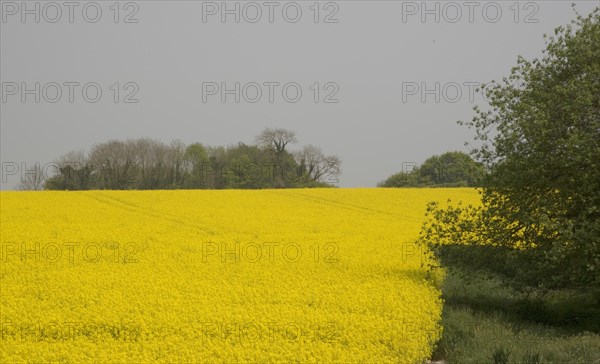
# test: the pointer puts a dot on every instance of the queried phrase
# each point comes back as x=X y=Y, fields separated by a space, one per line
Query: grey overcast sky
x=401 y=72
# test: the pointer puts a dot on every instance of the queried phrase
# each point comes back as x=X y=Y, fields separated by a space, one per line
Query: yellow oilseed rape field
x=306 y=275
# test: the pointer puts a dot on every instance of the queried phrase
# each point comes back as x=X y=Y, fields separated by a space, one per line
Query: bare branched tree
x=315 y=164
x=33 y=179
x=276 y=139
x=115 y=162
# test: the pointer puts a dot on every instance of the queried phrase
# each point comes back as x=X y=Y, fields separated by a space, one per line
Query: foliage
x=146 y=164
x=540 y=139
x=451 y=169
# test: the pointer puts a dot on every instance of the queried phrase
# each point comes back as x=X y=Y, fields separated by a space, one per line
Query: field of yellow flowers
x=307 y=275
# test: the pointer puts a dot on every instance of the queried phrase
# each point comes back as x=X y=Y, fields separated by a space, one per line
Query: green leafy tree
x=451 y=169
x=539 y=224
x=196 y=158
x=401 y=179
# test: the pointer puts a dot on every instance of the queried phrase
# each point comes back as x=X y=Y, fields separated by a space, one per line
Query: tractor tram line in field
x=268 y=275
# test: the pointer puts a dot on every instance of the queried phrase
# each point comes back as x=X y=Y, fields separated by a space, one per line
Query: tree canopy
x=451 y=169
x=151 y=164
x=539 y=224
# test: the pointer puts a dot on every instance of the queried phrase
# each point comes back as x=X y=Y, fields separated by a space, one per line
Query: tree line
x=147 y=164
x=451 y=169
